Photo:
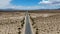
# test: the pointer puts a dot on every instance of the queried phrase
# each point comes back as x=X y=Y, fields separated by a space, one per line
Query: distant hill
x=32 y=11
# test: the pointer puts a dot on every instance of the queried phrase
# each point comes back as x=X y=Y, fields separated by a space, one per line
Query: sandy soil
x=11 y=22
x=46 y=23
x=41 y=23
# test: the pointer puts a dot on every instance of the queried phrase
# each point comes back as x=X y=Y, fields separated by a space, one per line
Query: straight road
x=27 y=26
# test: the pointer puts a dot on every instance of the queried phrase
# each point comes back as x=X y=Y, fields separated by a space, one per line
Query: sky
x=29 y=4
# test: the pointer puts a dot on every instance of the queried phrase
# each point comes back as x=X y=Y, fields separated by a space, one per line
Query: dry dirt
x=45 y=23
x=42 y=23
x=11 y=22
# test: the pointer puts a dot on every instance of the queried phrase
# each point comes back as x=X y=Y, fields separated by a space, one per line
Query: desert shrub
x=19 y=31
x=32 y=20
x=37 y=31
x=22 y=23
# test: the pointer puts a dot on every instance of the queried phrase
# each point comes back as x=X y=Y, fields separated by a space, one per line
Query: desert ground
x=11 y=22
x=41 y=22
x=45 y=23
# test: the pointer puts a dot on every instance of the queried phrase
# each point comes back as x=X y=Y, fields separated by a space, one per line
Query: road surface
x=27 y=26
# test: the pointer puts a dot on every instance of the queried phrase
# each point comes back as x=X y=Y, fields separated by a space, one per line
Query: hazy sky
x=29 y=4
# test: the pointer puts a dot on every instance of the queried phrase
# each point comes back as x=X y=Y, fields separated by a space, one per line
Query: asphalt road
x=28 y=28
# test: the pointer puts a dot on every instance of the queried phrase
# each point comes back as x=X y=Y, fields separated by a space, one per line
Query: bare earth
x=11 y=22
x=41 y=23
x=45 y=23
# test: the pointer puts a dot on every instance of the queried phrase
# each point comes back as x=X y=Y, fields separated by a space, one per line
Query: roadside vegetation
x=34 y=25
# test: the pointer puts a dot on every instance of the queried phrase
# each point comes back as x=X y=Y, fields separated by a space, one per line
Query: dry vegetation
x=11 y=22
x=46 y=23
x=43 y=21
